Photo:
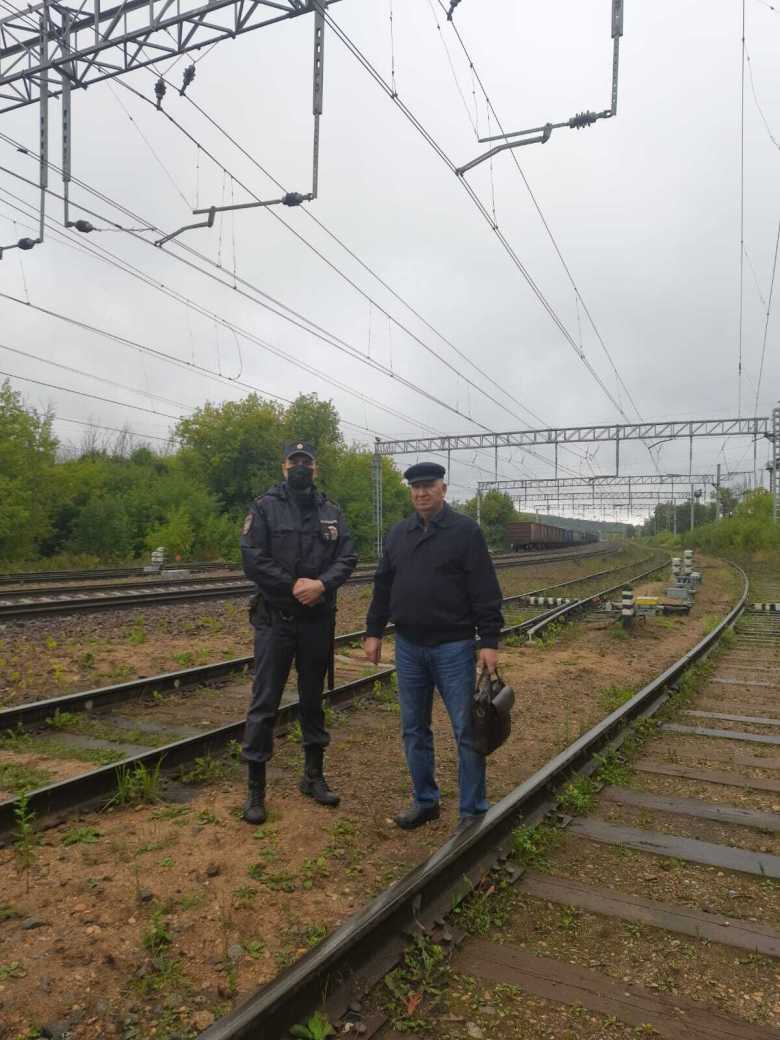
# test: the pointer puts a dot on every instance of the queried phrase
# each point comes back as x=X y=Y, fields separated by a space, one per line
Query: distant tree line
x=117 y=501
x=745 y=526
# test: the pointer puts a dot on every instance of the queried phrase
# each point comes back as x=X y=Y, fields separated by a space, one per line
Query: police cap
x=424 y=471
x=299 y=448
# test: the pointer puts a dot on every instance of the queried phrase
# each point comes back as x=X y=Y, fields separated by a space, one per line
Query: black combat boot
x=254 y=810
x=313 y=783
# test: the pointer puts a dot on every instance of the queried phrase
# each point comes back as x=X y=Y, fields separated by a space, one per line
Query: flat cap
x=424 y=471
x=299 y=448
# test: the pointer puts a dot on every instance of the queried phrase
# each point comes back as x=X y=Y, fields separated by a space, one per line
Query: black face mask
x=300 y=478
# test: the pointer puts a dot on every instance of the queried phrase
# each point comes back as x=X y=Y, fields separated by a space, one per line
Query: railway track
x=25 y=603
x=110 y=573
x=130 y=726
x=613 y=891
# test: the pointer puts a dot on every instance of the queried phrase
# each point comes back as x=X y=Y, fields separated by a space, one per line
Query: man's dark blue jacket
x=437 y=583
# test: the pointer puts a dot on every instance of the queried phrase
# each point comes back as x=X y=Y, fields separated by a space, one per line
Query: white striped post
x=627 y=607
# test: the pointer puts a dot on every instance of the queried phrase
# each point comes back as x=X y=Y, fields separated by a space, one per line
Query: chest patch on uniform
x=329 y=530
x=247 y=524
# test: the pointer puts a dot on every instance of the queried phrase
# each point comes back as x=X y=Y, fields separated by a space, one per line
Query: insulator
x=159 y=91
x=187 y=78
x=292 y=198
x=83 y=225
x=582 y=119
x=26 y=243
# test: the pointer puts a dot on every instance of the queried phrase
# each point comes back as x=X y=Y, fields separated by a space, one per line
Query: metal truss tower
x=655 y=432
x=94 y=41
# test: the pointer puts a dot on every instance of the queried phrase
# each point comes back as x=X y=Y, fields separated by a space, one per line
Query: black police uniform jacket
x=282 y=541
x=437 y=583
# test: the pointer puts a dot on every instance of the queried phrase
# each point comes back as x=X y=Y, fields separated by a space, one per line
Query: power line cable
x=118 y=262
x=293 y=316
x=767 y=127
x=741 y=214
x=766 y=322
x=362 y=263
x=544 y=221
x=334 y=267
x=484 y=212
x=316 y=330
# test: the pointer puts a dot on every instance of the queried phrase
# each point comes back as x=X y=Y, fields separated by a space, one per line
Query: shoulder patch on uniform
x=247 y=523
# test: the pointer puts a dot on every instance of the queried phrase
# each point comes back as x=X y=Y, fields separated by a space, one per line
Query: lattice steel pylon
x=51 y=49
x=89 y=42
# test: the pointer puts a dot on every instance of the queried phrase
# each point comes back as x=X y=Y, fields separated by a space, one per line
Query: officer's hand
x=308 y=591
x=488 y=659
x=372 y=647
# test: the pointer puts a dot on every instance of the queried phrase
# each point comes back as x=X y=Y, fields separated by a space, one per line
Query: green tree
x=317 y=422
x=27 y=459
x=102 y=527
x=176 y=534
x=234 y=448
x=349 y=484
x=496 y=511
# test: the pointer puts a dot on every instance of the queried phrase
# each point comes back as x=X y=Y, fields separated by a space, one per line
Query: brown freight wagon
x=530 y=535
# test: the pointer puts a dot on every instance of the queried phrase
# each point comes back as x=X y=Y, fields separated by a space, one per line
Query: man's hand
x=372 y=647
x=308 y=591
x=488 y=659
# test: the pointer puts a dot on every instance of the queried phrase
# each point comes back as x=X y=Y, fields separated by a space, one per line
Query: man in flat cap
x=296 y=548
x=437 y=583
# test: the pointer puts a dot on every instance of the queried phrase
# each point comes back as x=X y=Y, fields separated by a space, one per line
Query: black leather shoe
x=417 y=816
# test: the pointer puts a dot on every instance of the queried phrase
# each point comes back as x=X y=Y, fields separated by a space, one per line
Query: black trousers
x=277 y=644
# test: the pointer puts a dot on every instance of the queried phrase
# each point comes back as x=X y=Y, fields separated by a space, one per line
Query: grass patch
x=206 y=770
x=137 y=785
x=531 y=846
x=576 y=797
x=81 y=836
x=12 y=970
x=488 y=906
x=613 y=697
x=416 y=986
x=18 y=778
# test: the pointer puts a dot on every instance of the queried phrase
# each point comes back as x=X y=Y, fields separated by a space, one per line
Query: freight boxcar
x=529 y=535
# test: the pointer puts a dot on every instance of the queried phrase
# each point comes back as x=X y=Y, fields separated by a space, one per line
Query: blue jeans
x=450 y=667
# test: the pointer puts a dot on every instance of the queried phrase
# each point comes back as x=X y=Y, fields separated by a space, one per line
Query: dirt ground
x=149 y=922
x=42 y=658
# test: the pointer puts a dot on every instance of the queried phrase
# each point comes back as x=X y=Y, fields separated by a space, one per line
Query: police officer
x=296 y=548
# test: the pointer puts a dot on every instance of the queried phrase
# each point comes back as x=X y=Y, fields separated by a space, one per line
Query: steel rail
x=360 y=951
x=564 y=612
x=116 y=599
x=34 y=712
x=32 y=577
x=106 y=572
x=87 y=787
x=152 y=581
x=99 y=783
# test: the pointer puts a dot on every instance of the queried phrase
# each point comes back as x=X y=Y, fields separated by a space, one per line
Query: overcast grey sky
x=644 y=207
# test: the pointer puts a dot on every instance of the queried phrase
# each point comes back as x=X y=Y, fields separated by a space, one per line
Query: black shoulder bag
x=491 y=712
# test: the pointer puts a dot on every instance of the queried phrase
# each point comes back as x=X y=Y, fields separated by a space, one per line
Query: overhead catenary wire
x=741 y=215
x=766 y=321
x=361 y=262
x=767 y=127
x=123 y=265
x=275 y=307
x=293 y=316
x=480 y=206
x=543 y=219
x=404 y=328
